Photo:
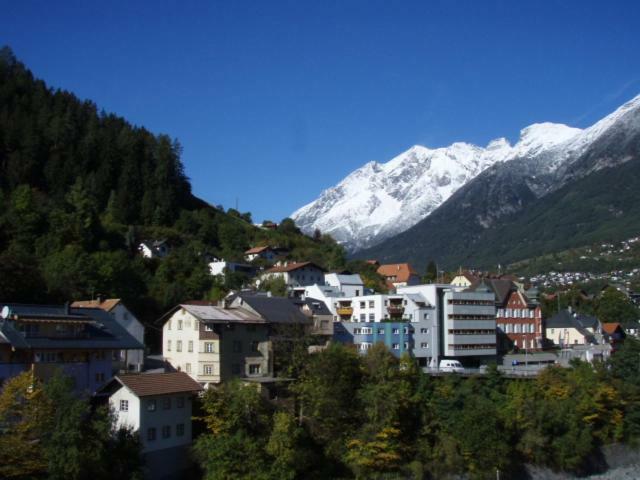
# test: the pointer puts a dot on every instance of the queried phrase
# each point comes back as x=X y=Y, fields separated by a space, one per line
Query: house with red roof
x=399 y=275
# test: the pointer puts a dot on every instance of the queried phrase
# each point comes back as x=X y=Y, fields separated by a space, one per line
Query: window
x=124 y=405
x=424 y=330
x=356 y=331
x=208 y=328
x=166 y=431
x=254 y=369
x=396 y=331
x=424 y=345
x=371 y=303
x=187 y=368
x=551 y=331
x=426 y=316
x=179 y=324
x=207 y=369
x=372 y=317
x=179 y=346
x=255 y=345
x=180 y=430
x=168 y=345
x=381 y=331
x=395 y=346
x=363 y=317
x=362 y=304
x=365 y=346
x=169 y=325
x=406 y=345
x=166 y=403
x=208 y=347
x=237 y=346
x=187 y=323
x=367 y=330
x=180 y=402
x=190 y=345
x=405 y=330
x=151 y=434
x=151 y=405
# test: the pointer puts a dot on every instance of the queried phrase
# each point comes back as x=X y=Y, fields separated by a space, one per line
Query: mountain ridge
x=378 y=200
x=591 y=189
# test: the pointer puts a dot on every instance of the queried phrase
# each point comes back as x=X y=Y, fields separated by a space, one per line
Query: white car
x=451 y=366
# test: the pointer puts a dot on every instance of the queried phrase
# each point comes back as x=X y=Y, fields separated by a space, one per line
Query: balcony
x=395 y=310
x=344 y=311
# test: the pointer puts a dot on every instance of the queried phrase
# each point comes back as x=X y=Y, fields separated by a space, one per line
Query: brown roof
x=146 y=384
x=292 y=266
x=402 y=271
x=256 y=250
x=106 y=305
x=610 y=328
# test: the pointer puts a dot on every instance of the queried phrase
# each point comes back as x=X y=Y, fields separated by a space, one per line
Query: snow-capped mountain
x=563 y=193
x=378 y=201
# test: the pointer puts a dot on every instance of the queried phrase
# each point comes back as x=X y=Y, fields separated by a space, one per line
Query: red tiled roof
x=292 y=266
x=401 y=271
x=610 y=328
x=146 y=384
x=256 y=250
x=106 y=305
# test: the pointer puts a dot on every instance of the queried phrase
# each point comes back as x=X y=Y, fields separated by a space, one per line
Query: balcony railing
x=395 y=310
x=345 y=311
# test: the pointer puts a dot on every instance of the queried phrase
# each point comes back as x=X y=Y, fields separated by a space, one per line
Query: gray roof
x=566 y=319
x=346 y=279
x=276 y=309
x=101 y=330
x=501 y=288
x=214 y=314
x=318 y=307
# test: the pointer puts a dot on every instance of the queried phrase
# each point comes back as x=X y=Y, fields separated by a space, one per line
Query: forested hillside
x=80 y=188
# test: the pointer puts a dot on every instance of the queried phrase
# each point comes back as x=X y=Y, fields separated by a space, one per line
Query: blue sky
x=275 y=101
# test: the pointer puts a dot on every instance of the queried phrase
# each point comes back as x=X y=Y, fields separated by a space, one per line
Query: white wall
x=198 y=358
x=124 y=317
x=129 y=418
x=165 y=417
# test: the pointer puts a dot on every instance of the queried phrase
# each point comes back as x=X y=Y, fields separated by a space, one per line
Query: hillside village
x=145 y=333
x=461 y=327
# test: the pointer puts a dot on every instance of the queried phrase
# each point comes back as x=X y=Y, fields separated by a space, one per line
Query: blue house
x=397 y=336
x=82 y=343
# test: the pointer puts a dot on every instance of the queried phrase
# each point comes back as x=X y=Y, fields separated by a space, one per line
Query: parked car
x=451 y=366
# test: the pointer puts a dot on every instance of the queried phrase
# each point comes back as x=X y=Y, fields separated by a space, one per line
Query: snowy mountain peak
x=380 y=200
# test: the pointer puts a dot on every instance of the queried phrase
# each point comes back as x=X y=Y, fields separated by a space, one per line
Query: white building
x=350 y=285
x=466 y=323
x=264 y=252
x=159 y=407
x=296 y=275
x=134 y=359
x=213 y=344
x=220 y=267
x=154 y=249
